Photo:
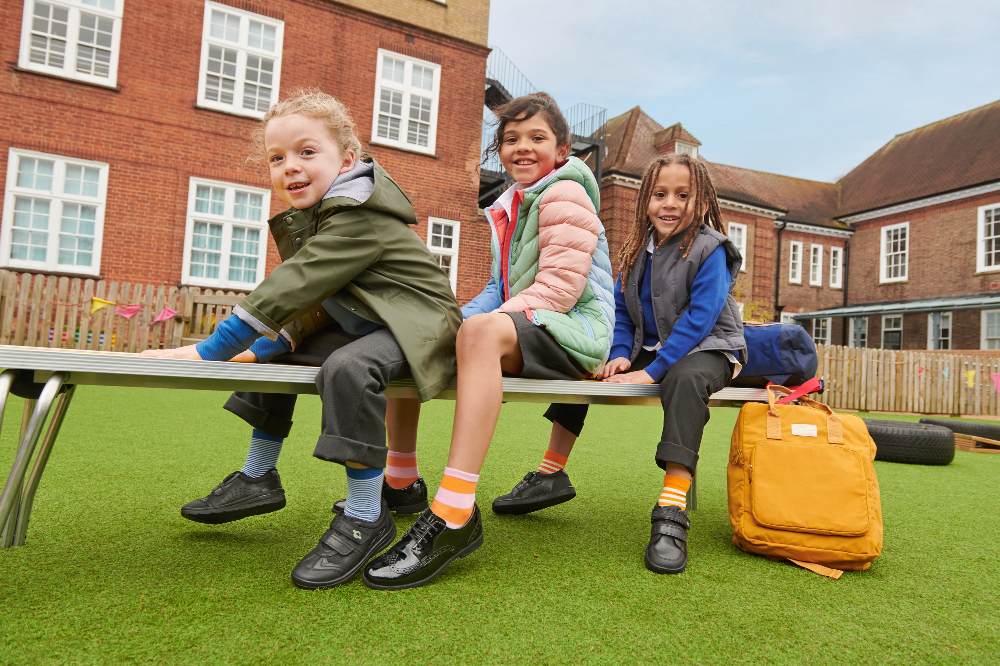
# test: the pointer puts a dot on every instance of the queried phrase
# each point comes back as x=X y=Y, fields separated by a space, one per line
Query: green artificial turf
x=112 y=573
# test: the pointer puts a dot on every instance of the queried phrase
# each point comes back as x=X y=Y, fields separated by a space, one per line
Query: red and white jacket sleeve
x=568 y=229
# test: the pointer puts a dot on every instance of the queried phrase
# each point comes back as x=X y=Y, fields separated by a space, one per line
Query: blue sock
x=263 y=454
x=364 y=493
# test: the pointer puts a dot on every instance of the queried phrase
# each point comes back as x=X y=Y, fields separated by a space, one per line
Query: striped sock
x=552 y=462
x=674 y=491
x=401 y=469
x=263 y=454
x=456 y=497
x=364 y=493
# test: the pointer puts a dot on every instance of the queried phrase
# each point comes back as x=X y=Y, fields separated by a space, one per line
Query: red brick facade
x=942 y=254
x=154 y=138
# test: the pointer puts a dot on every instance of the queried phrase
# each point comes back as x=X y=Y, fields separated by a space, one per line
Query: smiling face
x=670 y=201
x=303 y=159
x=529 y=150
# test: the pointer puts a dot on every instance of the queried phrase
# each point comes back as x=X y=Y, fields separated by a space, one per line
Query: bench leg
x=38 y=468
x=11 y=501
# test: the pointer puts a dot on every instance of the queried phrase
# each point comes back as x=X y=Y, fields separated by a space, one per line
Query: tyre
x=987 y=430
x=917 y=443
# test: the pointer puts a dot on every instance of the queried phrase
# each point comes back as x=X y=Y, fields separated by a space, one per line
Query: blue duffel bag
x=777 y=353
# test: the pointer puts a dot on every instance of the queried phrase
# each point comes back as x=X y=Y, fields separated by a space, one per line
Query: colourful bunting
x=970 y=378
x=98 y=303
x=128 y=311
x=995 y=376
x=165 y=314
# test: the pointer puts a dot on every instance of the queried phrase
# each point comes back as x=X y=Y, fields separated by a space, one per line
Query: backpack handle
x=834 y=430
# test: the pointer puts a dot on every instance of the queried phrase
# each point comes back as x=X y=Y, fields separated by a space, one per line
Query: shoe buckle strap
x=671 y=529
x=338 y=543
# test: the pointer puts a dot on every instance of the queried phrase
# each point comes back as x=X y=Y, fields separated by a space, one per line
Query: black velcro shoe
x=667 y=549
x=238 y=496
x=402 y=501
x=423 y=552
x=536 y=491
x=343 y=550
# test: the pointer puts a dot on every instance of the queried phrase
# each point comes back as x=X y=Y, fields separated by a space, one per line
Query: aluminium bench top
x=101 y=368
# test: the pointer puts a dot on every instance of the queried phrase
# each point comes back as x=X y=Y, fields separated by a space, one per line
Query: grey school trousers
x=684 y=394
x=354 y=372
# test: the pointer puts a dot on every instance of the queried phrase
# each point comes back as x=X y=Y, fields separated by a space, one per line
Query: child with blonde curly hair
x=357 y=293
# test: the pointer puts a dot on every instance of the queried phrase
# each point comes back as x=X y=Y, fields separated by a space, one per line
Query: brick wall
x=805 y=297
x=464 y=19
x=942 y=244
x=755 y=286
x=154 y=139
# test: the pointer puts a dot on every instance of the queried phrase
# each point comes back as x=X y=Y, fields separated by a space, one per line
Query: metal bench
x=52 y=375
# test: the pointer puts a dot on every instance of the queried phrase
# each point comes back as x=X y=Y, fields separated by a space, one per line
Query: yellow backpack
x=802 y=486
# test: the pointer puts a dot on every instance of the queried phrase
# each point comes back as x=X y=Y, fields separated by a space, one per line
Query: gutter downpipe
x=780 y=224
x=845 y=321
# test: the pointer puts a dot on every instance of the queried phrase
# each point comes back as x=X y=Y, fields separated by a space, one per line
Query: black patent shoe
x=667 y=549
x=238 y=496
x=343 y=550
x=536 y=491
x=423 y=552
x=402 y=501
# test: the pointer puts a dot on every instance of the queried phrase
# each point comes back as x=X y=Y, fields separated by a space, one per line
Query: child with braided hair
x=676 y=325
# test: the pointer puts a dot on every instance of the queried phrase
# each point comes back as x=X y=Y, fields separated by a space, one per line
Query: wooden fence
x=923 y=382
x=51 y=311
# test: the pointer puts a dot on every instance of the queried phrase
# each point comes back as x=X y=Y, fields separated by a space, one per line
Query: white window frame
x=794 y=267
x=934 y=343
x=981 y=265
x=836 y=267
x=685 y=148
x=58 y=198
x=983 y=340
x=900 y=329
x=815 y=265
x=788 y=318
x=884 y=277
x=825 y=338
x=742 y=245
x=228 y=220
x=243 y=50
x=452 y=252
x=851 y=340
x=74 y=19
x=407 y=89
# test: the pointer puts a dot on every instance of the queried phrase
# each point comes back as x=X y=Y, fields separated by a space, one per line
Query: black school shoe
x=667 y=549
x=238 y=496
x=402 y=501
x=534 y=492
x=424 y=552
x=343 y=550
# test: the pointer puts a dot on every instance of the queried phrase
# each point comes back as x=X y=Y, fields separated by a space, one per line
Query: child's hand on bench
x=186 y=353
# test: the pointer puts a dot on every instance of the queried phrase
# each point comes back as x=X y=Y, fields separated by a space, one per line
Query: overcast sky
x=803 y=88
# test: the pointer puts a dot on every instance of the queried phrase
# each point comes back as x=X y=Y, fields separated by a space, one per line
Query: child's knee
x=484 y=333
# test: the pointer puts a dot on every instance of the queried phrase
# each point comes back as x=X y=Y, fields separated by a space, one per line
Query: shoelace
x=525 y=482
x=218 y=489
x=423 y=528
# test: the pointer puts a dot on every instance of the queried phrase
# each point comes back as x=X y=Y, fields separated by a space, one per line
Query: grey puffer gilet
x=671 y=283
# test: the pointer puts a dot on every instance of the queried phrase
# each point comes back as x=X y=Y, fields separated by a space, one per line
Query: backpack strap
x=818 y=568
x=814 y=385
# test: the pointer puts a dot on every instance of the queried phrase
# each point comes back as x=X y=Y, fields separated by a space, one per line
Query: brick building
x=902 y=252
x=125 y=127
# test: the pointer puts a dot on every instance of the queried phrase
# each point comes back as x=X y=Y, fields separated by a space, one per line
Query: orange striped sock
x=552 y=462
x=456 y=497
x=675 y=489
x=401 y=469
